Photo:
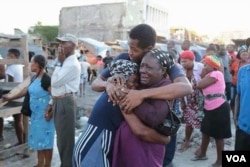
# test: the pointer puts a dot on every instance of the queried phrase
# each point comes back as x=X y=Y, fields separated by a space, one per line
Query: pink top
x=217 y=87
x=100 y=63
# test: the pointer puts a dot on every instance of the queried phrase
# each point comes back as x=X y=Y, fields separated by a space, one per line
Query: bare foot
x=198 y=151
x=185 y=145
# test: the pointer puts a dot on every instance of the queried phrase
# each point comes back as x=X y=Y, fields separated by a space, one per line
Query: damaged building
x=111 y=21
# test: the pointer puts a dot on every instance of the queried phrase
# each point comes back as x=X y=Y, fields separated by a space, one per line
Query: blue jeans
x=170 y=151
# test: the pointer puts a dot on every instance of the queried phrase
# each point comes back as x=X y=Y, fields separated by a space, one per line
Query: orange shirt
x=235 y=66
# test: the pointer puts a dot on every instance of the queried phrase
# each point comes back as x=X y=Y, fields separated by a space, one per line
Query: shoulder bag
x=25 y=110
x=171 y=123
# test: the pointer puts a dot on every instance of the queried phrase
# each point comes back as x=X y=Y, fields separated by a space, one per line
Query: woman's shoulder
x=46 y=81
x=216 y=74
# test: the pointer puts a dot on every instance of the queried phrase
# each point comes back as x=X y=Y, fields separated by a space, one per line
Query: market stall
x=21 y=43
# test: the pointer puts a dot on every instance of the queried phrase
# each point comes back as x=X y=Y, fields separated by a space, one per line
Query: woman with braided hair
x=129 y=149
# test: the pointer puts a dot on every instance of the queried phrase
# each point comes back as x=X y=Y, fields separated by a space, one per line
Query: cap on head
x=68 y=38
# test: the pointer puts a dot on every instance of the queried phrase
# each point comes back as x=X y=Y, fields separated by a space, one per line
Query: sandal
x=199 y=158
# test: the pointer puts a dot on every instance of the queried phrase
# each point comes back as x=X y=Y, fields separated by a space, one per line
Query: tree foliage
x=46 y=33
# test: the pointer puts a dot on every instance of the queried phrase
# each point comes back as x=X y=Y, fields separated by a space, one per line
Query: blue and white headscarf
x=124 y=67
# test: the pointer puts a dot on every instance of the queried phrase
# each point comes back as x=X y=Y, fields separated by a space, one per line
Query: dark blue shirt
x=105 y=115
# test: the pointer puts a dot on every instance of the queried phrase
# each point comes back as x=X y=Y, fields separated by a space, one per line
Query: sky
x=204 y=16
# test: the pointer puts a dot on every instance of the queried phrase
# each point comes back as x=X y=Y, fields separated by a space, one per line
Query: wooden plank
x=11 y=44
x=26 y=74
x=8 y=111
x=2 y=103
x=19 y=87
x=24 y=45
x=8 y=86
x=8 y=152
x=8 y=36
x=12 y=61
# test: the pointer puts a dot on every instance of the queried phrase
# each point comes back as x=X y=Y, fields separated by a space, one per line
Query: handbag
x=26 y=105
x=25 y=110
x=171 y=123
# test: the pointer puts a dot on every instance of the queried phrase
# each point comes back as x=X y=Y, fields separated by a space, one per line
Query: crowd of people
x=121 y=129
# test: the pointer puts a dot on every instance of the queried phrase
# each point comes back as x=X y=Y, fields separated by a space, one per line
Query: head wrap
x=124 y=67
x=166 y=59
x=213 y=61
x=187 y=54
x=242 y=49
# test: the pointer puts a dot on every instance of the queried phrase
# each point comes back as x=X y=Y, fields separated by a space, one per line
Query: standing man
x=170 y=45
x=186 y=45
x=65 y=82
x=107 y=59
x=225 y=59
x=241 y=113
x=231 y=52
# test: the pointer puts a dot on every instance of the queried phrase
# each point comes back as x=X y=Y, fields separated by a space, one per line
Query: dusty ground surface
x=180 y=160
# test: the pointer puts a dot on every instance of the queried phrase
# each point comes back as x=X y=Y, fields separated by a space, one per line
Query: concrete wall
x=111 y=21
x=102 y=22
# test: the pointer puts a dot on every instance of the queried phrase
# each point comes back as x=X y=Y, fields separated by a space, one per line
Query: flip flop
x=198 y=158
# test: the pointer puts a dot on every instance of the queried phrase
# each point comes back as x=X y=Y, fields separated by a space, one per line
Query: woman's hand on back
x=113 y=84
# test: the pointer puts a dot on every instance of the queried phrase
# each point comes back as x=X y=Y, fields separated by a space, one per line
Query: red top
x=235 y=66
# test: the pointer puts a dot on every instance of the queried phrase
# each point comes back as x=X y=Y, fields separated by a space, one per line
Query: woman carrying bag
x=41 y=130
